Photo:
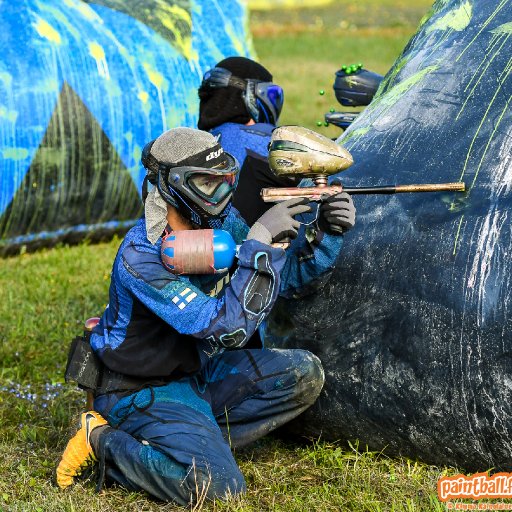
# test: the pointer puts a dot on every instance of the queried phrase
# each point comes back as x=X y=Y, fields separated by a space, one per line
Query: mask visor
x=213 y=185
x=272 y=96
x=214 y=188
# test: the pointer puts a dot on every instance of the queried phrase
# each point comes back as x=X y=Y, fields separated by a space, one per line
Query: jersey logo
x=183 y=299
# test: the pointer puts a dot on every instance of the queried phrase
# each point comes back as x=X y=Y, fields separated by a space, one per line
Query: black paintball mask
x=200 y=186
x=263 y=100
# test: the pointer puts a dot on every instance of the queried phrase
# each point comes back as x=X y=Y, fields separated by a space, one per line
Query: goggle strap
x=214 y=157
x=249 y=97
x=239 y=83
x=150 y=163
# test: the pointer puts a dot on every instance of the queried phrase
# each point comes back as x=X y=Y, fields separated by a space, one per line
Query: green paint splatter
x=481 y=73
x=355 y=134
x=390 y=77
x=432 y=12
x=503 y=77
x=502 y=4
x=506 y=28
x=15 y=153
x=491 y=137
x=393 y=95
x=457 y=19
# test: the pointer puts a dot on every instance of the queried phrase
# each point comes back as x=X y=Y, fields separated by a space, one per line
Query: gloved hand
x=278 y=224
x=337 y=214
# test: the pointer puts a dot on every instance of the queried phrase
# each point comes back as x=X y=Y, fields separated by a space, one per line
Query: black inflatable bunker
x=415 y=327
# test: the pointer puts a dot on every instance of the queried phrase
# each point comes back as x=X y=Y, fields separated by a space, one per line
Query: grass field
x=45 y=297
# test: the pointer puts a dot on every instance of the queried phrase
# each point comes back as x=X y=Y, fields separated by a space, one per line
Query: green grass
x=45 y=297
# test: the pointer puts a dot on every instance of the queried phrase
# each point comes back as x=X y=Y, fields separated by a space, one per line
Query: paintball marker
x=353 y=87
x=296 y=151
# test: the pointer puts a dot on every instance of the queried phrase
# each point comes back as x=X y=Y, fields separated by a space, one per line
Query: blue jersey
x=160 y=325
x=239 y=140
x=249 y=145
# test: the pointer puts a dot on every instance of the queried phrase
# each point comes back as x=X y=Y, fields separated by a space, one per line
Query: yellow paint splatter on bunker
x=143 y=96
x=15 y=153
x=158 y=80
x=172 y=16
x=235 y=40
x=44 y=29
x=155 y=77
x=10 y=115
x=85 y=10
x=98 y=54
x=6 y=79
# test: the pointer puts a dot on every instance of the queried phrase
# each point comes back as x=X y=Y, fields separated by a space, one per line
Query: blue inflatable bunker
x=415 y=327
x=83 y=86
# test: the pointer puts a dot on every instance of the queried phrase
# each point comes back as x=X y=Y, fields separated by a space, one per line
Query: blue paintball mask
x=263 y=100
x=200 y=186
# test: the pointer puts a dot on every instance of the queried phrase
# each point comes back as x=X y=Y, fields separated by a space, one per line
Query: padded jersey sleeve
x=228 y=321
x=309 y=260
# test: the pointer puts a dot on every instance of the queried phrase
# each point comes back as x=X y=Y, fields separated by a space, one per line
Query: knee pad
x=310 y=376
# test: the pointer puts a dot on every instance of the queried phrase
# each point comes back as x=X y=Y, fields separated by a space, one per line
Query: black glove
x=337 y=214
x=278 y=224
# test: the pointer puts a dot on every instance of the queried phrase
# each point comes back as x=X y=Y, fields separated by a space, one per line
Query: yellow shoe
x=78 y=454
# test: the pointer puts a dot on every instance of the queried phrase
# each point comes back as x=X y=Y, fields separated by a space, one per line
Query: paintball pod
x=201 y=251
x=198 y=251
x=296 y=151
x=353 y=87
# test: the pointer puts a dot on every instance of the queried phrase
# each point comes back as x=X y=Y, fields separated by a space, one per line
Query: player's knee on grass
x=310 y=378
x=220 y=484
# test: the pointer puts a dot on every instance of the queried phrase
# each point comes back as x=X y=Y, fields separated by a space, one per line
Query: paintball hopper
x=298 y=151
x=354 y=86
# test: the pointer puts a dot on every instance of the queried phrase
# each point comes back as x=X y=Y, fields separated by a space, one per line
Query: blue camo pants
x=174 y=441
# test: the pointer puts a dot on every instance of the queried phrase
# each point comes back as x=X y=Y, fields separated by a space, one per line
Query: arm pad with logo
x=337 y=214
x=278 y=224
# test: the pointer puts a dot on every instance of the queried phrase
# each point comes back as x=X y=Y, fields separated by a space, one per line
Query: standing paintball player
x=177 y=390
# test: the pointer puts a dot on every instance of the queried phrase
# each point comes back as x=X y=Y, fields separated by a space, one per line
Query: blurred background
x=303 y=43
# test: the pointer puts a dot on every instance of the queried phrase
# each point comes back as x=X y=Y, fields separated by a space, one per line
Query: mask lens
x=276 y=96
x=213 y=187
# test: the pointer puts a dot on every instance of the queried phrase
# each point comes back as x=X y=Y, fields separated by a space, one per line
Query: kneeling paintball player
x=177 y=390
